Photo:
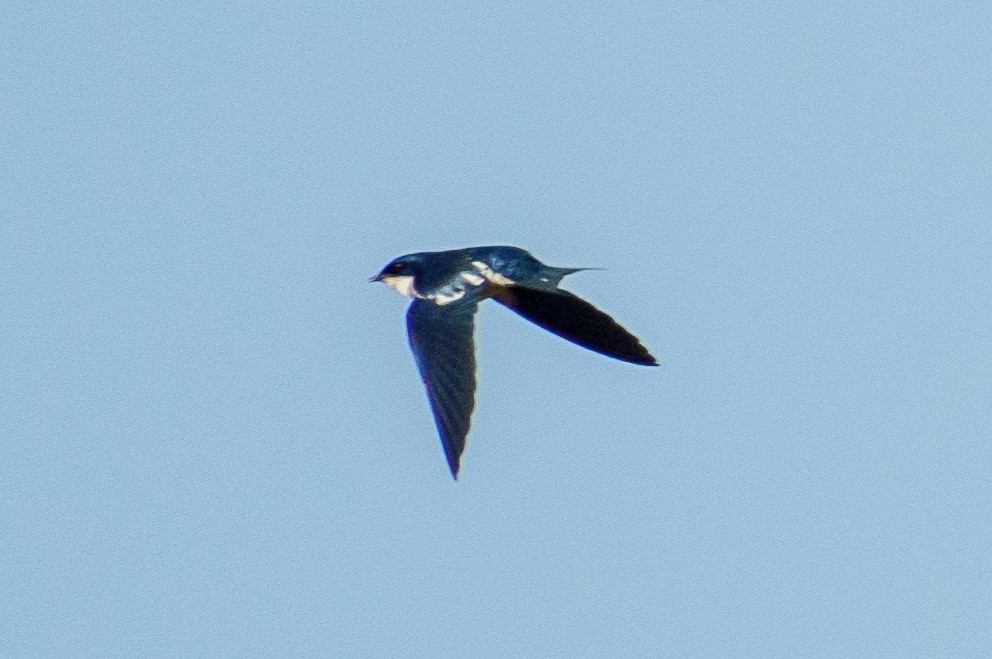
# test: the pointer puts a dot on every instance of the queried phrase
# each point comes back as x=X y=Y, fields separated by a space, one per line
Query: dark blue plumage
x=447 y=287
x=443 y=346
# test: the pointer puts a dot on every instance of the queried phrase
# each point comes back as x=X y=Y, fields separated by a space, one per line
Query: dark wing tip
x=621 y=344
x=453 y=457
x=648 y=360
x=643 y=358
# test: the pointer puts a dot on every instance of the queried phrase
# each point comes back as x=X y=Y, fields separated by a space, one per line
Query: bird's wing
x=574 y=319
x=441 y=337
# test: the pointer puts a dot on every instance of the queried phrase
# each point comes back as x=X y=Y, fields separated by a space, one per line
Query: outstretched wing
x=574 y=319
x=441 y=337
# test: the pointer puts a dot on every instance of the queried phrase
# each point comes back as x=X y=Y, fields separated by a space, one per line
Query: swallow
x=447 y=288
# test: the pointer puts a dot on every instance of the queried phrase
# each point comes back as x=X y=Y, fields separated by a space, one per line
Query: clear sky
x=213 y=440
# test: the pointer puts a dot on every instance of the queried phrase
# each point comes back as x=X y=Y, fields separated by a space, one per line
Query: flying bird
x=447 y=287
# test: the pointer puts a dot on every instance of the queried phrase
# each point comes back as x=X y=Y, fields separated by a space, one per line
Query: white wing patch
x=403 y=284
x=455 y=290
x=472 y=278
x=492 y=275
x=441 y=299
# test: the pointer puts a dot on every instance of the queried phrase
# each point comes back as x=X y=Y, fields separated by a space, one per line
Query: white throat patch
x=402 y=284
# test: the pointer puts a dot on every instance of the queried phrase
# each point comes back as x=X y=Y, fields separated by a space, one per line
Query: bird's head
x=401 y=273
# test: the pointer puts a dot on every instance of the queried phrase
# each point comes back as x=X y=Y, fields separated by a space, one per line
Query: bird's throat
x=402 y=284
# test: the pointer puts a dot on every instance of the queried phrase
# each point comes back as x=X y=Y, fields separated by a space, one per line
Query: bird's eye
x=398 y=268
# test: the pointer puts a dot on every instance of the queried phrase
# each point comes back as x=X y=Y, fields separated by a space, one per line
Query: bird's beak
x=378 y=277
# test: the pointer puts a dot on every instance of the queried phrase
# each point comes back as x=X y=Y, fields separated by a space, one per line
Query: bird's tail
x=555 y=275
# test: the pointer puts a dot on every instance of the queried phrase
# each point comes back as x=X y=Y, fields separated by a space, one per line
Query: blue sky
x=214 y=440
